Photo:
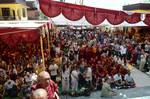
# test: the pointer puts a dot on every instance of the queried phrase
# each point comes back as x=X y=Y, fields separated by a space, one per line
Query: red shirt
x=50 y=89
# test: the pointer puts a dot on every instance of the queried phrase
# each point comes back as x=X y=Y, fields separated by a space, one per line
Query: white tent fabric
x=61 y=20
x=125 y=24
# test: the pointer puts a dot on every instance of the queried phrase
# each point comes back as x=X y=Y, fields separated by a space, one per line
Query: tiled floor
x=141 y=92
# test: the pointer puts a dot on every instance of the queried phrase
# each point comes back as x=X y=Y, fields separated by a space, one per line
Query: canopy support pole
x=42 y=52
x=48 y=43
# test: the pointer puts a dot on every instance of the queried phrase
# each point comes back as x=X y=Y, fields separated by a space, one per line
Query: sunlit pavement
x=134 y=93
x=141 y=79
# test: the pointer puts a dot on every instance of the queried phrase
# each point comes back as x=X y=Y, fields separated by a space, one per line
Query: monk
x=45 y=82
x=39 y=94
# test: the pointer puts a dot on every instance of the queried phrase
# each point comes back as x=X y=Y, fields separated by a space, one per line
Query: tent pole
x=48 y=39
x=42 y=52
x=48 y=42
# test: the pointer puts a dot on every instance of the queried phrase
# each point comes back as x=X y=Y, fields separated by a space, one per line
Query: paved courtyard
x=142 y=91
x=135 y=93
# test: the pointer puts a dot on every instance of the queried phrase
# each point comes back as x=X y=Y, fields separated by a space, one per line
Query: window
x=6 y=13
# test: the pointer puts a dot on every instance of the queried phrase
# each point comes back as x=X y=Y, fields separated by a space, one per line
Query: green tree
x=42 y=16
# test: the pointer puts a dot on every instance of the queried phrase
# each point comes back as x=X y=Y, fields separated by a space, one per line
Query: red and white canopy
x=13 y=32
x=94 y=16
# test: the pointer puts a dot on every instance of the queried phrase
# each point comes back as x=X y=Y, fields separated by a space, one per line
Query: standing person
x=71 y=55
x=45 y=82
x=142 y=63
x=101 y=37
x=53 y=68
x=106 y=89
x=123 y=51
x=13 y=73
x=81 y=76
x=74 y=79
x=88 y=76
x=65 y=78
x=76 y=52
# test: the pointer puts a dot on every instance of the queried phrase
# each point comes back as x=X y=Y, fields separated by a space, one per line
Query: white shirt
x=117 y=47
x=57 y=49
x=74 y=75
x=146 y=47
x=28 y=78
x=14 y=71
x=53 y=69
x=128 y=78
x=34 y=77
x=89 y=74
x=115 y=58
x=123 y=50
x=119 y=61
x=9 y=86
x=117 y=77
x=65 y=74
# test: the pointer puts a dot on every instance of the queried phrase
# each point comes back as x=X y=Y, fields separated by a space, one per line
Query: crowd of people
x=78 y=60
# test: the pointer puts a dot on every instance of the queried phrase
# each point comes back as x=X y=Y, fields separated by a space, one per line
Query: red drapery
x=133 y=18
x=115 y=17
x=94 y=16
x=12 y=36
x=52 y=9
x=147 y=19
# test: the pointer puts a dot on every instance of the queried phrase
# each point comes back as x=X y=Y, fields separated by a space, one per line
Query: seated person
x=118 y=81
x=28 y=79
x=129 y=82
x=10 y=88
x=112 y=82
x=106 y=89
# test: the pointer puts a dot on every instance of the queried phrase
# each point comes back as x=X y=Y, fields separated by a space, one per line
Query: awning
x=22 y=24
x=13 y=32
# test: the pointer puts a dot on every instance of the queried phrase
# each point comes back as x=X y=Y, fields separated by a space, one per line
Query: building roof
x=13 y=1
x=31 y=5
x=139 y=7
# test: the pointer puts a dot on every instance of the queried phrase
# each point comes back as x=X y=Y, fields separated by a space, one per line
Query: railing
x=7 y=18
